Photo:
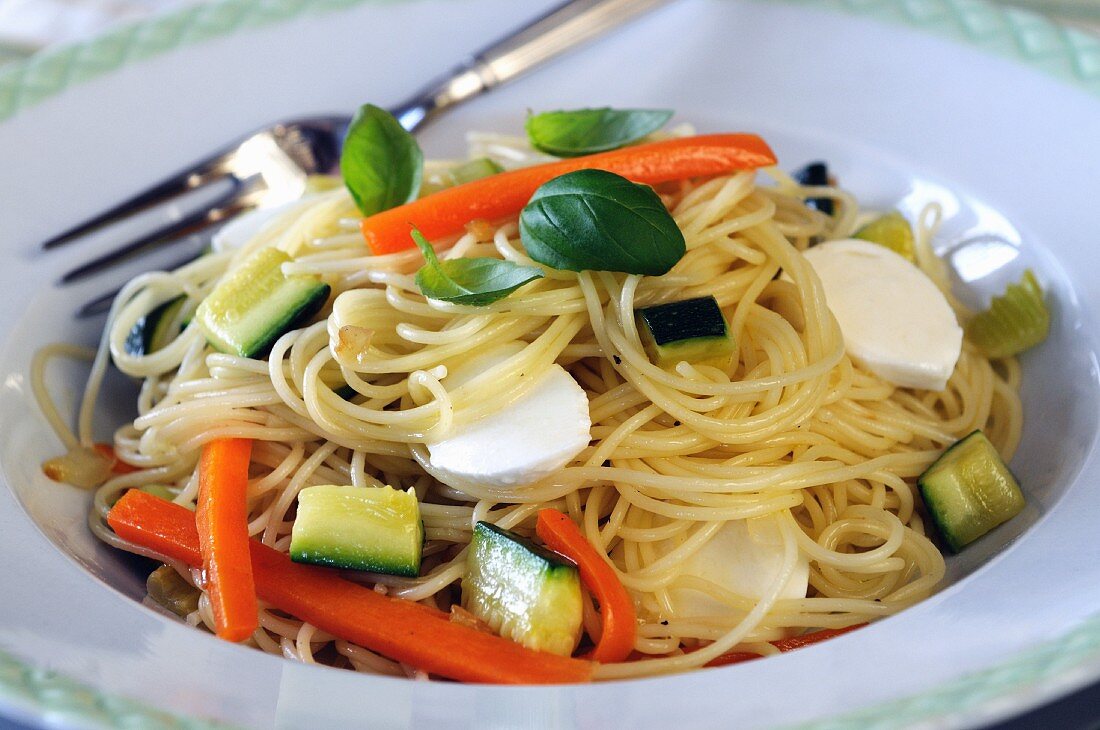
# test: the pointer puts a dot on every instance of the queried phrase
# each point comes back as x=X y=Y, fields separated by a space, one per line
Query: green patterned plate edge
x=1070 y=55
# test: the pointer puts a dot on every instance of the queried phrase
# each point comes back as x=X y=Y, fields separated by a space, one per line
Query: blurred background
x=29 y=25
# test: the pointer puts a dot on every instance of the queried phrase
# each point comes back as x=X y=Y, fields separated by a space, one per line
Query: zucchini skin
x=962 y=509
x=256 y=304
x=522 y=591
x=816 y=173
x=694 y=330
x=150 y=333
x=358 y=528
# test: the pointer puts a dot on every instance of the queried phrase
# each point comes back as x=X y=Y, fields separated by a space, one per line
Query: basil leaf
x=382 y=164
x=596 y=220
x=584 y=131
x=476 y=282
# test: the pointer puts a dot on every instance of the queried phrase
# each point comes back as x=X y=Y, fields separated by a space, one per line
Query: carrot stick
x=402 y=630
x=617 y=610
x=446 y=212
x=222 y=521
x=789 y=644
x=797 y=642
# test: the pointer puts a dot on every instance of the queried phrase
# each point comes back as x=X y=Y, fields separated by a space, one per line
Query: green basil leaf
x=592 y=220
x=382 y=164
x=584 y=131
x=476 y=282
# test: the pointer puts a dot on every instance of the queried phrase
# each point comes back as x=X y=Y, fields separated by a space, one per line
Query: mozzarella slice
x=526 y=440
x=744 y=557
x=895 y=322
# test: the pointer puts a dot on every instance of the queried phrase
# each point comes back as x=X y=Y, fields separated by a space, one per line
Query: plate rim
x=1031 y=677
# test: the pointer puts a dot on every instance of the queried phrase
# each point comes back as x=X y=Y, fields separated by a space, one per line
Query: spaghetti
x=794 y=437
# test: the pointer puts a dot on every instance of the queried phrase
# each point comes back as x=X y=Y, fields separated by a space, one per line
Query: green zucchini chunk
x=1014 y=322
x=893 y=232
x=969 y=490
x=167 y=589
x=475 y=170
x=156 y=329
x=358 y=528
x=522 y=591
x=257 y=304
x=693 y=330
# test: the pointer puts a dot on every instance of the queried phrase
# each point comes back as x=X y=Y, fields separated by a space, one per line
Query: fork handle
x=546 y=37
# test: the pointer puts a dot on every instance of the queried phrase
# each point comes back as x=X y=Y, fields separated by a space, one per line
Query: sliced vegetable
x=222 y=522
x=402 y=630
x=620 y=624
x=789 y=644
x=118 y=466
x=969 y=490
x=168 y=589
x=447 y=212
x=1015 y=321
x=693 y=330
x=358 y=528
x=322 y=183
x=584 y=131
x=599 y=221
x=80 y=467
x=381 y=163
x=159 y=490
x=475 y=282
x=155 y=330
x=475 y=170
x=257 y=304
x=893 y=232
x=522 y=591
x=816 y=174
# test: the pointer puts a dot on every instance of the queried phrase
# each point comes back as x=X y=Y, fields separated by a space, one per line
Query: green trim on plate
x=1070 y=55
x=64 y=702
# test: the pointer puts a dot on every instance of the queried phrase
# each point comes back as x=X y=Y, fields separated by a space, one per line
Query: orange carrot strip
x=789 y=644
x=222 y=521
x=733 y=657
x=617 y=610
x=797 y=642
x=118 y=466
x=402 y=630
x=446 y=212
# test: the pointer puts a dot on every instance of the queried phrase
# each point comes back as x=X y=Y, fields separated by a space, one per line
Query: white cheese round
x=895 y=322
x=744 y=557
x=523 y=442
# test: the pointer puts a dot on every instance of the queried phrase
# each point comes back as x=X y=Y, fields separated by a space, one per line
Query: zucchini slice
x=358 y=528
x=816 y=174
x=693 y=330
x=1015 y=321
x=969 y=490
x=156 y=329
x=256 y=304
x=522 y=591
x=475 y=170
x=167 y=589
x=893 y=232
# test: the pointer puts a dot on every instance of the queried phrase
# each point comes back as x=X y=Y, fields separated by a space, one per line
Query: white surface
x=528 y=439
x=900 y=115
x=895 y=322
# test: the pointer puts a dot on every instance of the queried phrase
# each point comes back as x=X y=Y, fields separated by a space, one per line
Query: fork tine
x=102 y=303
x=203 y=174
x=185 y=227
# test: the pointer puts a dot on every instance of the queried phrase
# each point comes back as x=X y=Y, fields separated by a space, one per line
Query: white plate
x=900 y=113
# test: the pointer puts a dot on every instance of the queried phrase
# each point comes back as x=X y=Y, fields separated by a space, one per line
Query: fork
x=271 y=165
